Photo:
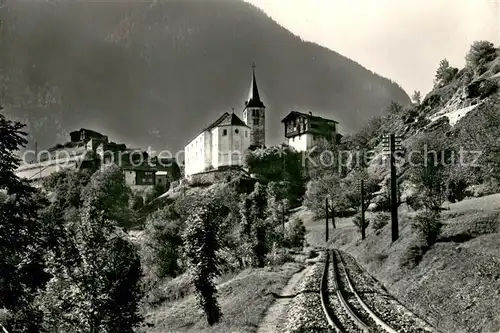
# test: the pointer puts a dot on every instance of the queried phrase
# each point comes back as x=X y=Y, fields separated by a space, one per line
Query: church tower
x=254 y=115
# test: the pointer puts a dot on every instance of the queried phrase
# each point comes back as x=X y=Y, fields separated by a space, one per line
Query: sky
x=403 y=40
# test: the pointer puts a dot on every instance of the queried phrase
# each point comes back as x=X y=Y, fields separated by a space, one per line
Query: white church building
x=224 y=142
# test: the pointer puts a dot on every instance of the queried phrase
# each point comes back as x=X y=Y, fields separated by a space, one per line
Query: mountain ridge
x=156 y=73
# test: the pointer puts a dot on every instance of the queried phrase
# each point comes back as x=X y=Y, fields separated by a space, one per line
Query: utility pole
x=391 y=145
x=283 y=215
x=333 y=217
x=326 y=224
x=362 y=189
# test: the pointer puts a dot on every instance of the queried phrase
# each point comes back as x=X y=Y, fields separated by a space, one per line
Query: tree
x=416 y=97
x=321 y=159
x=277 y=203
x=201 y=240
x=295 y=233
x=328 y=186
x=430 y=169
x=480 y=53
x=22 y=240
x=114 y=195
x=95 y=284
x=278 y=163
x=444 y=74
x=394 y=108
x=253 y=232
x=161 y=251
x=67 y=186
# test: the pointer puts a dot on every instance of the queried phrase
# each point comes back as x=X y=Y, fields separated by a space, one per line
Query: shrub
x=311 y=254
x=295 y=233
x=413 y=255
x=170 y=291
x=278 y=256
x=428 y=225
x=457 y=190
x=487 y=88
x=357 y=221
x=487 y=188
x=137 y=202
x=495 y=68
x=380 y=220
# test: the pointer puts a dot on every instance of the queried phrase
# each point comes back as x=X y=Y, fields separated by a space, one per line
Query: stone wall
x=214 y=176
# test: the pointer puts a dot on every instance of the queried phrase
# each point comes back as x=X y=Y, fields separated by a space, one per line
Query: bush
x=413 y=255
x=380 y=220
x=487 y=188
x=278 y=256
x=357 y=221
x=137 y=202
x=170 y=291
x=295 y=233
x=487 y=88
x=428 y=225
x=495 y=69
x=457 y=190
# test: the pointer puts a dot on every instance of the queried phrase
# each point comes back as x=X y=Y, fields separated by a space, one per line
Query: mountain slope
x=155 y=73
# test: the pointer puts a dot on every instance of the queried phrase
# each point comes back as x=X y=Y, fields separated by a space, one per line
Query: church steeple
x=253 y=95
x=254 y=115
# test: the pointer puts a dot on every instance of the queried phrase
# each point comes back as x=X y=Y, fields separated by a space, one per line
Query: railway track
x=356 y=306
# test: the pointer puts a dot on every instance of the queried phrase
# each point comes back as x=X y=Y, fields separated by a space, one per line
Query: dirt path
x=275 y=316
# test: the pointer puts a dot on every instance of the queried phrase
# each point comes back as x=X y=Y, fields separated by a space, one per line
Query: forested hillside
x=155 y=73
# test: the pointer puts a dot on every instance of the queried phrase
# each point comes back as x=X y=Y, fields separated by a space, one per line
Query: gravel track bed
x=305 y=313
x=342 y=317
x=351 y=299
x=361 y=280
x=381 y=303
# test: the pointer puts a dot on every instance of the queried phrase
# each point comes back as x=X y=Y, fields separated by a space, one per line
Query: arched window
x=236 y=131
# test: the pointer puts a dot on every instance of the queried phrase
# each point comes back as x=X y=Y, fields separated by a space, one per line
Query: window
x=256 y=121
x=224 y=132
x=236 y=131
x=246 y=134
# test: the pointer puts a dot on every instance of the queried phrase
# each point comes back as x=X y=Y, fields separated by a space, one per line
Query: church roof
x=226 y=119
x=253 y=100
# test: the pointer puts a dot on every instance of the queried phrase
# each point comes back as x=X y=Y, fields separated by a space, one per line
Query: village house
x=88 y=149
x=303 y=131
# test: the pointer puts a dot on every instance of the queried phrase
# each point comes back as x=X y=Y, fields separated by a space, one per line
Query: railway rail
x=352 y=304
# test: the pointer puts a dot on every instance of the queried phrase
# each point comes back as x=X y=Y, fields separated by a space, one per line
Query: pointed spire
x=253 y=95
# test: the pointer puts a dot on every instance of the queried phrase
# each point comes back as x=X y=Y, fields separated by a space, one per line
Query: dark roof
x=89 y=132
x=295 y=114
x=225 y=120
x=253 y=96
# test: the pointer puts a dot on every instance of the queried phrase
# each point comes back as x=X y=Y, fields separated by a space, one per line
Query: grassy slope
x=456 y=286
x=244 y=299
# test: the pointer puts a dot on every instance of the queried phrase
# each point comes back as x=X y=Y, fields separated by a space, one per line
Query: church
x=223 y=143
